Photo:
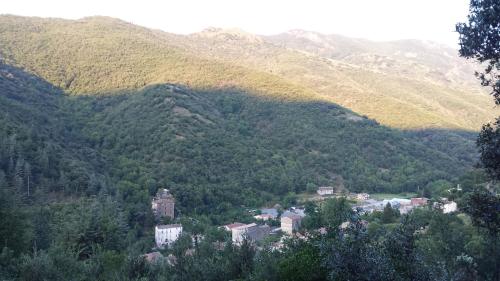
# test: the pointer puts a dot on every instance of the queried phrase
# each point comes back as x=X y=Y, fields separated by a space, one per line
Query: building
x=405 y=209
x=419 y=201
x=290 y=223
x=253 y=232
x=325 y=190
x=450 y=207
x=362 y=196
x=167 y=234
x=271 y=212
x=263 y=217
x=163 y=204
x=229 y=227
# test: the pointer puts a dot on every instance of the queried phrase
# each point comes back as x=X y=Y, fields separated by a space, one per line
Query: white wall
x=166 y=236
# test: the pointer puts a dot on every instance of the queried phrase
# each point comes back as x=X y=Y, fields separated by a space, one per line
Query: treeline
x=88 y=239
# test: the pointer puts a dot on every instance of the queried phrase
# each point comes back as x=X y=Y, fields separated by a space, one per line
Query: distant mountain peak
x=229 y=34
x=310 y=35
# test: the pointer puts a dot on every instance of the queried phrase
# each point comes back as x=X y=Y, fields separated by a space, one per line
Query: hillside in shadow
x=220 y=146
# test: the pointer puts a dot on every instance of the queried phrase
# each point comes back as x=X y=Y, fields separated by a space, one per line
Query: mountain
x=41 y=150
x=222 y=118
x=410 y=58
x=97 y=115
x=403 y=84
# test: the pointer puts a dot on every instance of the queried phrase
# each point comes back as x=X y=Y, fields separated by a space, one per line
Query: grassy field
x=382 y=196
x=304 y=197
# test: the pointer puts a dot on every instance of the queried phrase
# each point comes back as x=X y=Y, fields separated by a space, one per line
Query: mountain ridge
x=261 y=65
x=226 y=125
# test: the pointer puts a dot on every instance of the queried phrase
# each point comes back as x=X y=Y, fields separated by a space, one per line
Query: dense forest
x=211 y=148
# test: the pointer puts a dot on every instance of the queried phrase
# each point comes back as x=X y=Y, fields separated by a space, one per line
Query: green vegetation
x=215 y=150
x=479 y=39
x=91 y=130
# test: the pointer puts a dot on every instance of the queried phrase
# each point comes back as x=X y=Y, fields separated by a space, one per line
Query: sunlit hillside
x=406 y=84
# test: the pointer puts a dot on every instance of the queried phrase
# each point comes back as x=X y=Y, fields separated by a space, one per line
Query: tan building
x=290 y=223
x=419 y=201
x=163 y=204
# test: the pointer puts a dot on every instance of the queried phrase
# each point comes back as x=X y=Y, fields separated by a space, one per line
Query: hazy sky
x=372 y=19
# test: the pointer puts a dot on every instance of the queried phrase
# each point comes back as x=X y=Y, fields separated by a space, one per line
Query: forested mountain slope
x=100 y=54
x=213 y=147
x=146 y=111
x=41 y=149
x=404 y=84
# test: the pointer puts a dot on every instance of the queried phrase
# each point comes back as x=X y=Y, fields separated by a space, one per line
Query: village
x=275 y=223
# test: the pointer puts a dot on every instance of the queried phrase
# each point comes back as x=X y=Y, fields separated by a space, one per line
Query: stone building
x=163 y=204
x=252 y=232
x=290 y=223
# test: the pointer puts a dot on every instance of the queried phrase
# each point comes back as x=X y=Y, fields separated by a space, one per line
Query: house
x=163 y=204
x=253 y=232
x=362 y=196
x=290 y=223
x=167 y=234
x=229 y=227
x=297 y=210
x=272 y=212
x=405 y=209
x=419 y=201
x=263 y=217
x=450 y=207
x=325 y=190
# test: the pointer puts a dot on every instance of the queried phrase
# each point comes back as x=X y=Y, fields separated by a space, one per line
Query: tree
x=489 y=148
x=480 y=40
x=484 y=209
x=401 y=248
x=389 y=215
x=301 y=261
x=351 y=254
x=313 y=218
x=335 y=211
x=13 y=220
